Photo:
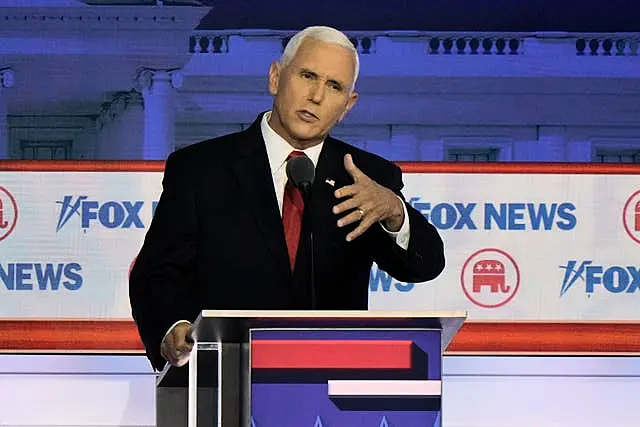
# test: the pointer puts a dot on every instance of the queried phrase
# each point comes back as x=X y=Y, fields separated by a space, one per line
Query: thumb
x=184 y=340
x=351 y=168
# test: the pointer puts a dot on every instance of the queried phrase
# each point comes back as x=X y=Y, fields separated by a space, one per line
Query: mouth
x=307 y=116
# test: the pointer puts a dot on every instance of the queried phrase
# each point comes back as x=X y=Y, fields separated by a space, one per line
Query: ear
x=353 y=98
x=274 y=77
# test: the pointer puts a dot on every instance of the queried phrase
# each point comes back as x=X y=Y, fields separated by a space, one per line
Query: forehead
x=326 y=59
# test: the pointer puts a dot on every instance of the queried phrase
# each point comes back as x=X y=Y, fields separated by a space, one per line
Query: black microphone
x=301 y=172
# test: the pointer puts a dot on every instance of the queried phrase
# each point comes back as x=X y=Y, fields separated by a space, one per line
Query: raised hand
x=368 y=202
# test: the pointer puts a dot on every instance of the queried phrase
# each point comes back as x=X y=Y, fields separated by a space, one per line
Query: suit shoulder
x=204 y=153
x=206 y=148
x=201 y=157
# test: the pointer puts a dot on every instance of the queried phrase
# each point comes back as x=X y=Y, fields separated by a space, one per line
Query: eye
x=306 y=75
x=336 y=87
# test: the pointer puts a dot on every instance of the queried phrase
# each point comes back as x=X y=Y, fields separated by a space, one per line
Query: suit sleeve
x=424 y=259
x=160 y=292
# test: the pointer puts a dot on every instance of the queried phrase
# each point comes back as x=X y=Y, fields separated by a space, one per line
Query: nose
x=316 y=92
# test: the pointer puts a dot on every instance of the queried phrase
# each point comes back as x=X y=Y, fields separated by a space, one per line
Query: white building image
x=110 y=81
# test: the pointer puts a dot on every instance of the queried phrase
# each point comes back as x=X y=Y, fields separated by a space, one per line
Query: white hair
x=323 y=34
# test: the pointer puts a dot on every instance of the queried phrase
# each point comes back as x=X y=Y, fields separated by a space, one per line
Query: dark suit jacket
x=217 y=242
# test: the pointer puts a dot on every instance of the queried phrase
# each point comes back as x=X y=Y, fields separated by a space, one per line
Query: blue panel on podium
x=354 y=377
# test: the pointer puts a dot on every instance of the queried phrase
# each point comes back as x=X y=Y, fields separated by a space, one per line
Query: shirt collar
x=278 y=149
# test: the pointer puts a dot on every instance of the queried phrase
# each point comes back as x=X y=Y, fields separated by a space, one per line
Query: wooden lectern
x=310 y=368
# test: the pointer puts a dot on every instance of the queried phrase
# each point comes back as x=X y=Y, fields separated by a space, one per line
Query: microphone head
x=300 y=171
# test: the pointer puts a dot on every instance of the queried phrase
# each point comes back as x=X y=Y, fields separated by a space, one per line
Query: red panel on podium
x=331 y=354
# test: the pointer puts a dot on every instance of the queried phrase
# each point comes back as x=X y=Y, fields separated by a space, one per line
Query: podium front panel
x=346 y=377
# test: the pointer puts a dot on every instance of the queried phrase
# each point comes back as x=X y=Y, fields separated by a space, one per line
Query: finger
x=181 y=345
x=350 y=218
x=185 y=346
x=346 y=191
x=353 y=170
x=168 y=357
x=170 y=348
x=347 y=205
x=360 y=229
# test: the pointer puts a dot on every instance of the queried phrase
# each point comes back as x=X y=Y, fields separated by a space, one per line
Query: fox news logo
x=26 y=276
x=8 y=213
x=109 y=214
x=381 y=281
x=498 y=216
x=614 y=279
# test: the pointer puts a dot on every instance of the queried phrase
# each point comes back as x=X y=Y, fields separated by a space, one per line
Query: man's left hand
x=369 y=202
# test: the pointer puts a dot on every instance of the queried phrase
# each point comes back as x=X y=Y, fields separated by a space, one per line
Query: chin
x=303 y=142
x=303 y=133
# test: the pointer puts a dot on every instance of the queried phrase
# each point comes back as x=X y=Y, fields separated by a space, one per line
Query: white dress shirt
x=278 y=149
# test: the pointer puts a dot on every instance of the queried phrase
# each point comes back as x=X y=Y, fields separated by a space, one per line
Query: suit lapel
x=253 y=174
x=330 y=175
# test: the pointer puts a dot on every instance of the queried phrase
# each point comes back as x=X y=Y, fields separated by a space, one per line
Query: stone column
x=120 y=128
x=6 y=81
x=158 y=90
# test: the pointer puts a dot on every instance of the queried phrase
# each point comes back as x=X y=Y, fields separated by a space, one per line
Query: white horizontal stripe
x=531 y=366
x=73 y=363
x=382 y=388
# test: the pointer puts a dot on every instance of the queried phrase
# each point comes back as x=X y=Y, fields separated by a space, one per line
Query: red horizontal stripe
x=407 y=167
x=331 y=354
x=474 y=337
x=69 y=335
x=548 y=337
x=521 y=168
x=82 y=166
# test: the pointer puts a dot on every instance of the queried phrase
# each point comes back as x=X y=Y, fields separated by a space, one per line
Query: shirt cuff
x=401 y=237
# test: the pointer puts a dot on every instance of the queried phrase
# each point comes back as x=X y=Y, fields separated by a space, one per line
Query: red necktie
x=292 y=211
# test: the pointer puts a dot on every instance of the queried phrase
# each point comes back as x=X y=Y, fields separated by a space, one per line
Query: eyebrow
x=333 y=81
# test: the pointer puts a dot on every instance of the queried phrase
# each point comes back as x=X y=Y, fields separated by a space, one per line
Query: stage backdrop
x=556 y=244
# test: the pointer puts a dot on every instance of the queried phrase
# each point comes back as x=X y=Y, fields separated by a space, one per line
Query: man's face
x=311 y=92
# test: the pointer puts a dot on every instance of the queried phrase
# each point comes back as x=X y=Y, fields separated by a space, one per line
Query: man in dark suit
x=225 y=233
